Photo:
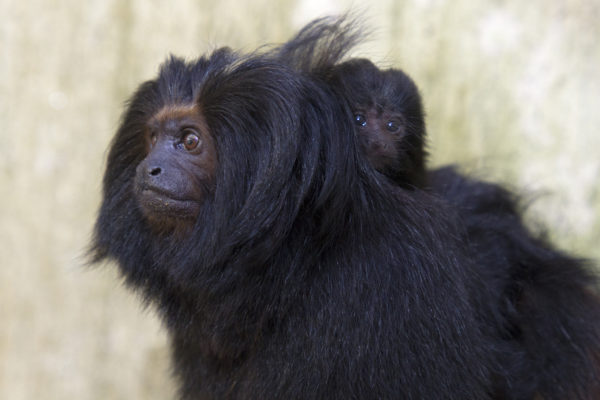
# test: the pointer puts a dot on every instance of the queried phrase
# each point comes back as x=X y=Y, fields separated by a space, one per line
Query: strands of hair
x=276 y=208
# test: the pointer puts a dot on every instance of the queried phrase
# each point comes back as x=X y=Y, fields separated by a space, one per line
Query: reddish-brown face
x=379 y=135
x=178 y=172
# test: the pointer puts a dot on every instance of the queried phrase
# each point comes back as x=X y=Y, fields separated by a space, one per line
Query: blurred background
x=511 y=90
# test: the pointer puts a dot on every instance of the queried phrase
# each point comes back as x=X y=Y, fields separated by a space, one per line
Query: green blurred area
x=511 y=90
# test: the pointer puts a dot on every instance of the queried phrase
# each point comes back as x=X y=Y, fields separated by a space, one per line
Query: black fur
x=547 y=310
x=380 y=91
x=539 y=304
x=307 y=274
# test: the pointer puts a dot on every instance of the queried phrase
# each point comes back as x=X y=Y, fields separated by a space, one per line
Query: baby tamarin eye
x=360 y=120
x=393 y=126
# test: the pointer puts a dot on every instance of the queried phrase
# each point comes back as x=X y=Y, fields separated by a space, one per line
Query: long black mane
x=307 y=273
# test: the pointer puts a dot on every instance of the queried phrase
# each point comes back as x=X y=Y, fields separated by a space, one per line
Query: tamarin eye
x=392 y=126
x=360 y=120
x=190 y=140
x=153 y=139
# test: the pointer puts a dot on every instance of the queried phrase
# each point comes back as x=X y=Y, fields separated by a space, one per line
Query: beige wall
x=512 y=91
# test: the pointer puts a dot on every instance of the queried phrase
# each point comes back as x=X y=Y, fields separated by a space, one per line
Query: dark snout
x=163 y=188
